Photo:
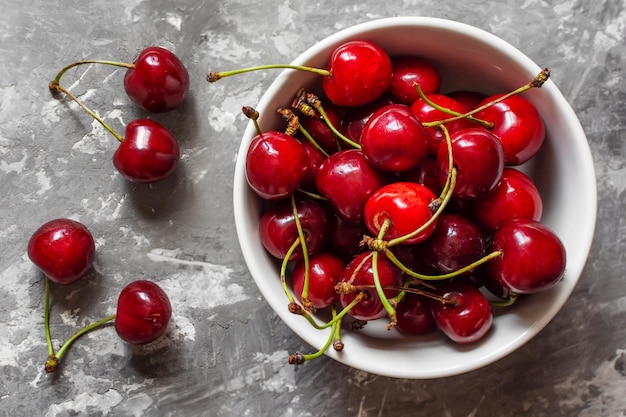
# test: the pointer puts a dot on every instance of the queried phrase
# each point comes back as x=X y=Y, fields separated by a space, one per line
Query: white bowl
x=468 y=58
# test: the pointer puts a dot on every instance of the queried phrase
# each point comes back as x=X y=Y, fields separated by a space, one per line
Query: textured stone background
x=225 y=352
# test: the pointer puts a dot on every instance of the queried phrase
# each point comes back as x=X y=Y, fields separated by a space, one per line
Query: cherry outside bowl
x=467 y=58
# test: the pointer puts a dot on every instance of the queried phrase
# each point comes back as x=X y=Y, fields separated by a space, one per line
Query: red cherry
x=360 y=272
x=514 y=197
x=276 y=165
x=309 y=182
x=348 y=180
x=319 y=130
x=414 y=316
x=424 y=174
x=478 y=158
x=148 y=153
x=518 y=125
x=533 y=257
x=468 y=318
x=409 y=70
x=360 y=72
x=394 y=140
x=355 y=118
x=468 y=99
x=407 y=205
x=426 y=113
x=63 y=249
x=158 y=82
x=325 y=271
x=278 y=230
x=345 y=236
x=143 y=312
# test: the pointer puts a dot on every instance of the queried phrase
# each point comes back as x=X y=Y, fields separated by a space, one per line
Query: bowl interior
x=468 y=58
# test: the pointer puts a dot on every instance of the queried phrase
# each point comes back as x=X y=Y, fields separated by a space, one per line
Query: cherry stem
x=316 y=103
x=283 y=270
x=403 y=290
x=483 y=123
x=294 y=123
x=536 y=82
x=359 y=297
x=214 y=76
x=252 y=114
x=312 y=195
x=55 y=86
x=299 y=358
x=57 y=79
x=506 y=303
x=46 y=317
x=305 y=288
x=337 y=343
x=391 y=311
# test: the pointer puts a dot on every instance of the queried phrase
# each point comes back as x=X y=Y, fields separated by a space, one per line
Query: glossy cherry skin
x=394 y=140
x=348 y=180
x=409 y=70
x=407 y=206
x=425 y=174
x=159 y=81
x=276 y=165
x=360 y=73
x=455 y=243
x=426 y=113
x=148 y=153
x=514 y=197
x=360 y=272
x=143 y=312
x=325 y=271
x=345 y=236
x=479 y=161
x=467 y=98
x=518 y=125
x=414 y=316
x=278 y=229
x=63 y=249
x=309 y=182
x=533 y=257
x=468 y=319
x=355 y=118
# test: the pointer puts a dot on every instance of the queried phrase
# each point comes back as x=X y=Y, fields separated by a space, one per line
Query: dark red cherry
x=325 y=271
x=158 y=82
x=143 y=312
x=469 y=315
x=426 y=113
x=309 y=182
x=456 y=242
x=319 y=130
x=467 y=98
x=424 y=174
x=394 y=140
x=276 y=165
x=409 y=70
x=518 y=125
x=414 y=316
x=533 y=257
x=360 y=72
x=348 y=180
x=360 y=272
x=278 y=230
x=478 y=158
x=63 y=249
x=345 y=236
x=406 y=205
x=355 y=118
x=514 y=197
x=148 y=153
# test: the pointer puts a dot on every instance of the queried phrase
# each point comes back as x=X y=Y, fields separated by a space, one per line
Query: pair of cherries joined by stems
x=390 y=199
x=158 y=82
x=64 y=250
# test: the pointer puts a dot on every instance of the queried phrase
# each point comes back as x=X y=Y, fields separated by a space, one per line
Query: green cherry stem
x=57 y=79
x=214 y=76
x=337 y=343
x=536 y=82
x=46 y=319
x=252 y=114
x=391 y=311
x=283 y=270
x=505 y=303
x=299 y=358
x=305 y=253
x=316 y=103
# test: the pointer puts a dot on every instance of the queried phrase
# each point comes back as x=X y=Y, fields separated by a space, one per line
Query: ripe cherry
x=355 y=118
x=407 y=206
x=515 y=196
x=411 y=70
x=345 y=236
x=467 y=98
x=63 y=249
x=158 y=80
x=466 y=317
x=360 y=272
x=278 y=230
x=325 y=271
x=394 y=140
x=360 y=72
x=348 y=180
x=143 y=312
x=148 y=153
x=478 y=158
x=276 y=165
x=414 y=316
x=518 y=125
x=533 y=257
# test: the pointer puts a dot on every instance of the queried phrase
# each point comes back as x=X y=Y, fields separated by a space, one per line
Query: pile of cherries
x=385 y=198
x=64 y=249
